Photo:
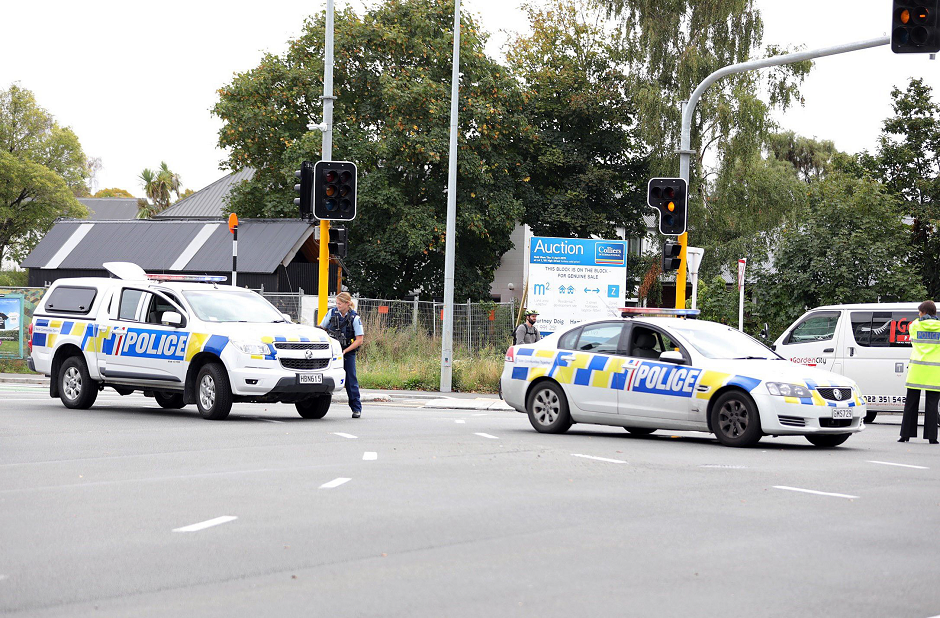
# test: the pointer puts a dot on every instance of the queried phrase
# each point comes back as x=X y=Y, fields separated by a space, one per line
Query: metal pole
x=326 y=154
x=688 y=108
x=234 y=255
x=447 y=331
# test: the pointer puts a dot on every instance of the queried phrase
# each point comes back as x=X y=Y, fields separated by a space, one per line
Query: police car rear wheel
x=640 y=431
x=213 y=392
x=828 y=440
x=169 y=401
x=76 y=388
x=548 y=409
x=735 y=420
x=316 y=407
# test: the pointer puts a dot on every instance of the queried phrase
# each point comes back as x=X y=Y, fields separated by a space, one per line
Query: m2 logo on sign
x=665 y=379
x=151 y=344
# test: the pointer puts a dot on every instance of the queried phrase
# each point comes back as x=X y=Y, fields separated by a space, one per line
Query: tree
x=908 y=162
x=41 y=164
x=586 y=163
x=392 y=76
x=846 y=244
x=158 y=187
x=114 y=192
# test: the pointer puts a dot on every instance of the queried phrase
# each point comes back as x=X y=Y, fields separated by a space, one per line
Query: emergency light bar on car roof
x=197 y=278
x=658 y=312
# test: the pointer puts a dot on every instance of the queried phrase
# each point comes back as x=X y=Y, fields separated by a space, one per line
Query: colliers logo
x=608 y=253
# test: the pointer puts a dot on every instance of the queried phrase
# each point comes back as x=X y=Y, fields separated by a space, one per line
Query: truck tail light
x=511 y=354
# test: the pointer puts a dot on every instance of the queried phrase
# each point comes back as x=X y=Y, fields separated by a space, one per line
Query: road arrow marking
x=334 y=483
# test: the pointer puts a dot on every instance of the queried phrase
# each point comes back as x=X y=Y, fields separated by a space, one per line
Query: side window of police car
x=649 y=343
x=819 y=326
x=157 y=307
x=129 y=306
x=603 y=338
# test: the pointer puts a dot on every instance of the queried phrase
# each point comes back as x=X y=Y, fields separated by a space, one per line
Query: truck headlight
x=251 y=347
x=783 y=389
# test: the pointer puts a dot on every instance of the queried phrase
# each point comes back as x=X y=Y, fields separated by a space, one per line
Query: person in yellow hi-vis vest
x=923 y=373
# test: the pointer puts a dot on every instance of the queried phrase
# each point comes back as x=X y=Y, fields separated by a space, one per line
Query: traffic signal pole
x=688 y=108
x=326 y=154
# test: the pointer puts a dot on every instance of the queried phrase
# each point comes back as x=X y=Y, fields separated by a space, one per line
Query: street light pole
x=447 y=330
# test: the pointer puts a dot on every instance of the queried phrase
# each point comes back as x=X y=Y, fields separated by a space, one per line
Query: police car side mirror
x=171 y=318
x=672 y=356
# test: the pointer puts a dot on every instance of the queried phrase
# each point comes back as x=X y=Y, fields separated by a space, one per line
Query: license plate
x=310 y=378
x=841 y=414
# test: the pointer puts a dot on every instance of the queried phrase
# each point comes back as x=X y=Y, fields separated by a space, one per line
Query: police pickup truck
x=180 y=342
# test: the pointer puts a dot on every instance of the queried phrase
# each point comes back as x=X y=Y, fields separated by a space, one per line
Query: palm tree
x=158 y=186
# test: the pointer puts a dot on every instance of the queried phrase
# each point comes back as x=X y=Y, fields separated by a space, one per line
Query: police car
x=180 y=339
x=647 y=373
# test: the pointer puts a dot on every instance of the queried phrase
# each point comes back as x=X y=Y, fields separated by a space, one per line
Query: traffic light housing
x=339 y=241
x=305 y=189
x=334 y=191
x=671 y=253
x=670 y=197
x=915 y=28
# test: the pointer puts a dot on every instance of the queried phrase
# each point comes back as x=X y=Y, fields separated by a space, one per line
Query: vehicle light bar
x=658 y=312
x=199 y=278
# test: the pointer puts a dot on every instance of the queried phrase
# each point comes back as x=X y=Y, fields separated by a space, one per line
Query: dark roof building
x=210 y=201
x=110 y=208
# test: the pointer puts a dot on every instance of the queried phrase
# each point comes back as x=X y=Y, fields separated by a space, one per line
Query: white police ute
x=646 y=373
x=181 y=339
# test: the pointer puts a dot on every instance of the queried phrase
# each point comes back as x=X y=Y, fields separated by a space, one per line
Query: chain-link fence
x=286 y=303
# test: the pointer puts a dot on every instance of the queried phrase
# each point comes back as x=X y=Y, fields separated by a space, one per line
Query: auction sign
x=573 y=280
x=11 y=326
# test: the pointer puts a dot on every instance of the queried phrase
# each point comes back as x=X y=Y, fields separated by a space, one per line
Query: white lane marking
x=370 y=456
x=334 y=483
x=598 y=458
x=811 y=491
x=267 y=420
x=723 y=466
x=206 y=524
x=460 y=421
x=486 y=435
x=344 y=435
x=888 y=463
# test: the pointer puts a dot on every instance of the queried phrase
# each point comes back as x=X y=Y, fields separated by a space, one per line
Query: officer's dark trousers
x=352 y=382
x=909 y=421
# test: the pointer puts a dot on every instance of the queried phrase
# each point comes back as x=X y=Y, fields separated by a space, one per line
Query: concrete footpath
x=425 y=399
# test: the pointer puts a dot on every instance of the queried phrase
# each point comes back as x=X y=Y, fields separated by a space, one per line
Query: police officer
x=344 y=324
x=527 y=332
x=923 y=373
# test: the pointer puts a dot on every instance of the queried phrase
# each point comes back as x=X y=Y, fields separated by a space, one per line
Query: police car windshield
x=725 y=343
x=223 y=306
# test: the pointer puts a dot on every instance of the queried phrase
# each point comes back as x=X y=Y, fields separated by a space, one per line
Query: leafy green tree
x=847 y=243
x=41 y=165
x=158 y=186
x=908 y=162
x=586 y=164
x=392 y=75
x=113 y=192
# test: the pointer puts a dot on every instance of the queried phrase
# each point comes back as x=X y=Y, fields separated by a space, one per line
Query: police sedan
x=647 y=373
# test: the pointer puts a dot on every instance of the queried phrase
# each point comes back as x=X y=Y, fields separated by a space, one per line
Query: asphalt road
x=126 y=509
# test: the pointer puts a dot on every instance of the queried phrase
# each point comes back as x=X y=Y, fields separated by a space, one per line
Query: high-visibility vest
x=924 y=369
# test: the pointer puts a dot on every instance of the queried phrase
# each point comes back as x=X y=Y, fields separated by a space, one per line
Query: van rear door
x=877 y=351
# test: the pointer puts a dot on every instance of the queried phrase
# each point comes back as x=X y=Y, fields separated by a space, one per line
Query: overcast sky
x=135 y=81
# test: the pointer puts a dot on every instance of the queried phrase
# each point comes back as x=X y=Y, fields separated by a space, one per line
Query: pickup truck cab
x=181 y=342
x=867 y=342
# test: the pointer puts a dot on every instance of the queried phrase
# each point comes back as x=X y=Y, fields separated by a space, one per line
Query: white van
x=866 y=342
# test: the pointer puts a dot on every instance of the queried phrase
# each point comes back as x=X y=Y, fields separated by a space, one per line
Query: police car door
x=137 y=347
x=592 y=373
x=813 y=341
x=655 y=389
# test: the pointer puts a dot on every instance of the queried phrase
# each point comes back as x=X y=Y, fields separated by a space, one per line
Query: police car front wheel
x=315 y=407
x=213 y=392
x=735 y=420
x=548 y=408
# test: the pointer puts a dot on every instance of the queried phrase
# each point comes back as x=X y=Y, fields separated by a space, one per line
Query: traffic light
x=334 y=191
x=305 y=188
x=914 y=27
x=671 y=259
x=339 y=241
x=670 y=197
